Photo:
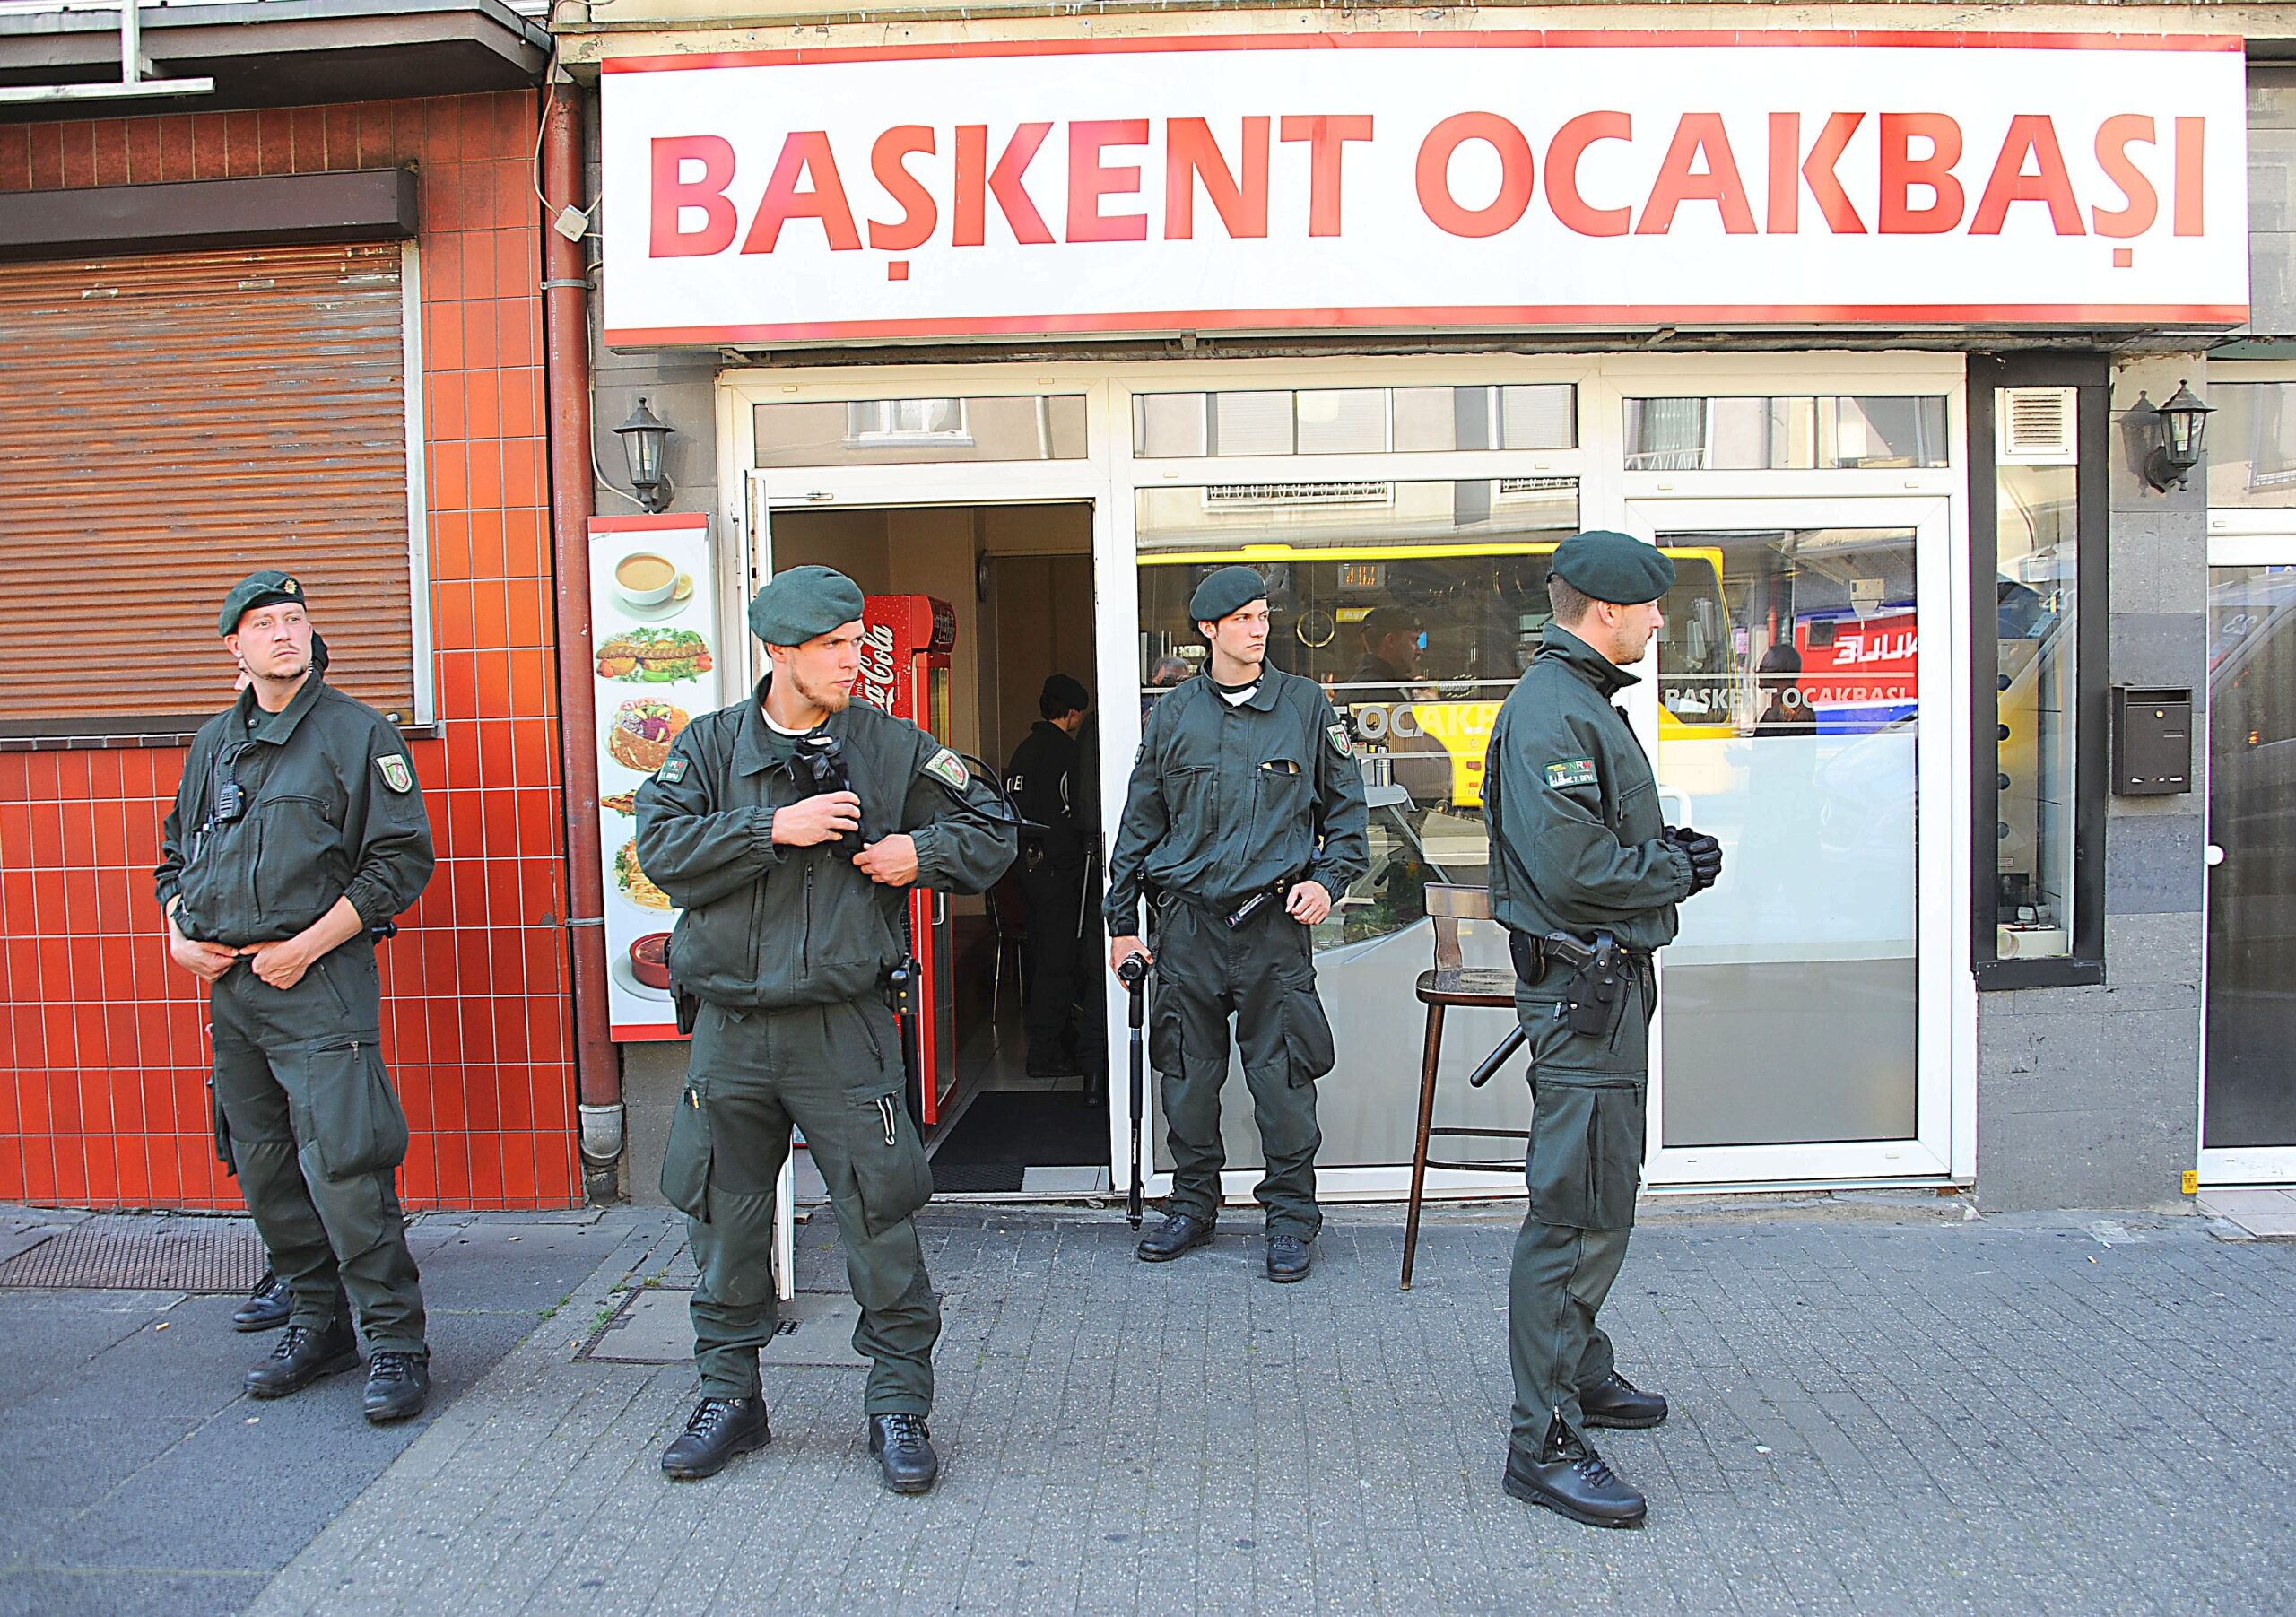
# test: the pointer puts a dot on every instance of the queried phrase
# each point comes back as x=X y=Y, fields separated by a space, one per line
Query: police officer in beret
x=1246 y=816
x=790 y=828
x=298 y=831
x=1585 y=879
x=1043 y=780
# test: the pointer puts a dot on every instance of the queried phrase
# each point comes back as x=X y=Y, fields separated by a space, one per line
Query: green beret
x=804 y=602
x=1229 y=589
x=1617 y=568
x=256 y=589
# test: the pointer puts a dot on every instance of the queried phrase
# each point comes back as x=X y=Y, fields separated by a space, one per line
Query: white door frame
x=1944 y=1085
x=1109 y=474
x=2237 y=538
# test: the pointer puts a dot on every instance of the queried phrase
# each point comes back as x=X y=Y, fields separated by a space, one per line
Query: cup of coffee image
x=645 y=578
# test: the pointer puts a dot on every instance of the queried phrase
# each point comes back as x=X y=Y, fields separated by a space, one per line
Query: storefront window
x=1784 y=433
x=2252 y=444
x=1789 y=996
x=1354 y=421
x=2037 y=570
x=1417 y=607
x=910 y=432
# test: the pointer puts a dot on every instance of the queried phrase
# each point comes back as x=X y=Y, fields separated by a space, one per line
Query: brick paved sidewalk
x=1873 y=1412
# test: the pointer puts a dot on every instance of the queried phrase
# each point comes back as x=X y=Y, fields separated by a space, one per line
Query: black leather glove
x=1705 y=855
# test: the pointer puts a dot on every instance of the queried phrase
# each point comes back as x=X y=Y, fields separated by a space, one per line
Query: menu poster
x=654 y=630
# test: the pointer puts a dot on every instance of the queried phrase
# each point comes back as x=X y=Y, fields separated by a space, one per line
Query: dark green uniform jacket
x=331 y=809
x=1578 y=843
x=768 y=927
x=1219 y=803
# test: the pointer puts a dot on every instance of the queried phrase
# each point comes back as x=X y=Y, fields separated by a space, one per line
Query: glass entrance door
x=2248 y=1127
x=1799 y=711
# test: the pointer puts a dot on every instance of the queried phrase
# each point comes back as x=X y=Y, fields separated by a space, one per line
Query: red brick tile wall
x=103 y=1052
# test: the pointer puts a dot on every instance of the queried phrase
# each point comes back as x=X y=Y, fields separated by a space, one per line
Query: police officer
x=1042 y=780
x=297 y=832
x=1245 y=814
x=1586 y=880
x=790 y=828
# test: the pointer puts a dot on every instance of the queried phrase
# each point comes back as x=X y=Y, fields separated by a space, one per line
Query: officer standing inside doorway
x=1246 y=815
x=1044 y=783
x=1586 y=880
x=297 y=832
x=789 y=829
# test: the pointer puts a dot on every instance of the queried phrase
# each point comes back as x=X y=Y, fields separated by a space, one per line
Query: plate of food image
x=654 y=657
x=624 y=804
x=641 y=735
x=634 y=884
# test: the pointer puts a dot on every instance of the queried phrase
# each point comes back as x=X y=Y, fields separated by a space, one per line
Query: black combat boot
x=903 y=1446
x=267 y=1308
x=304 y=1354
x=720 y=1429
x=1614 y=1401
x=1568 y=1477
x=1174 y=1236
x=1289 y=1259
x=398 y=1385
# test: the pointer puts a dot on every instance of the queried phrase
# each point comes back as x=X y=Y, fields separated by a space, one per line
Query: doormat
x=1032 y=1128
x=960 y=1179
x=652 y=1326
x=142 y=1254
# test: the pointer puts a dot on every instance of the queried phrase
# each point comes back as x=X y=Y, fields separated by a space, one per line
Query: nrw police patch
x=674 y=770
x=1570 y=772
x=396 y=774
x=949 y=770
x=1339 y=742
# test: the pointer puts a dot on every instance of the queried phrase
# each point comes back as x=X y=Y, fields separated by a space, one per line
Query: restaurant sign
x=1402 y=182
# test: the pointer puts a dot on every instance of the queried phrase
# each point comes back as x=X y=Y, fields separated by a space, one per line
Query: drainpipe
x=566 y=327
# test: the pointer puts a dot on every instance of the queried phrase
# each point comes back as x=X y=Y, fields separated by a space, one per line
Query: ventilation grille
x=1229 y=495
x=2036 y=427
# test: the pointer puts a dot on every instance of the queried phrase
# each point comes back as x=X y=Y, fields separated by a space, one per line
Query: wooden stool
x=1447 y=985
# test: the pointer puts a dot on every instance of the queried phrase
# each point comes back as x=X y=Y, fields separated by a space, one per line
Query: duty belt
x=1595 y=995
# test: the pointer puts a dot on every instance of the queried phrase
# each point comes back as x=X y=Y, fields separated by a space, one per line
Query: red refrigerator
x=905 y=671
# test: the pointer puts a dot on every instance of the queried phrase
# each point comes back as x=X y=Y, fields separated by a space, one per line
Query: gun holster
x=687 y=1007
x=1594 y=997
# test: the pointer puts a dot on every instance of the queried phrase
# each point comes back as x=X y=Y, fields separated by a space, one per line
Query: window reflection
x=1785 y=433
x=2252 y=444
x=1354 y=421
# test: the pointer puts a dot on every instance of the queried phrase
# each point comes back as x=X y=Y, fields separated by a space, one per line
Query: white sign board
x=654 y=629
x=1265 y=183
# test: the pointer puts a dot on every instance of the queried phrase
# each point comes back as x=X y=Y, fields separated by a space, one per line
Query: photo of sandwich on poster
x=634 y=883
x=642 y=731
x=654 y=657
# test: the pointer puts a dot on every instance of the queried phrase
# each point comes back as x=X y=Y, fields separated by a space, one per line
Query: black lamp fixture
x=2181 y=426
x=643 y=436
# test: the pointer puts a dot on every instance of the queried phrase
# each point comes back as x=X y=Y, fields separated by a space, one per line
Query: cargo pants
x=306 y=1112
x=834 y=1071
x=1583 y=1167
x=1262 y=973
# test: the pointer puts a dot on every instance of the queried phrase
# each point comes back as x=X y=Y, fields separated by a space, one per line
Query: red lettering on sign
x=1327 y=135
x=1698 y=137
x=1789 y=171
x=2031 y=137
x=1003 y=182
x=2192 y=134
x=2114 y=137
x=1901 y=171
x=673 y=194
x=805 y=155
x=920 y=214
x=1190 y=154
x=1562 y=154
x=1090 y=179
x=1434 y=174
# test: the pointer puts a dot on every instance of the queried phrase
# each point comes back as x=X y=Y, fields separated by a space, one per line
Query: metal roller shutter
x=167 y=425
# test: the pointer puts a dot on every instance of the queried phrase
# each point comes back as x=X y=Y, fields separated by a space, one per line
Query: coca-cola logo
x=875 y=685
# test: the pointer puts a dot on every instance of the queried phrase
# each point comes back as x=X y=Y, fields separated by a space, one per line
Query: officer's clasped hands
x=890 y=862
x=1705 y=855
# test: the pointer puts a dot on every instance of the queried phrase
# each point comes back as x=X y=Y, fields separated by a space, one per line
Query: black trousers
x=1056 y=896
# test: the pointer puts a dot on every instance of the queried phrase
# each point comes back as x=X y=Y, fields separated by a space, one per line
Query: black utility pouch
x=687 y=1007
x=1598 y=992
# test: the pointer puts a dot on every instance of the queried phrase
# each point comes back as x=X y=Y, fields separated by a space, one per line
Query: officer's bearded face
x=1630 y=631
x=822 y=670
x=273 y=642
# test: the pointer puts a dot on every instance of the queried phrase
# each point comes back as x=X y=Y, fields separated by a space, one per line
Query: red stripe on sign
x=1536 y=39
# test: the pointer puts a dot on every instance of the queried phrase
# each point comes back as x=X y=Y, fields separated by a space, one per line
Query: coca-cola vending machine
x=905 y=670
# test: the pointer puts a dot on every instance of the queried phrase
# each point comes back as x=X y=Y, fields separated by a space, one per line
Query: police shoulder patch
x=949 y=770
x=396 y=774
x=1337 y=733
x=674 y=769
x=1569 y=772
